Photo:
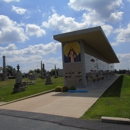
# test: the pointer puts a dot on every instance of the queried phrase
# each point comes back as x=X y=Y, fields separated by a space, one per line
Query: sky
x=27 y=28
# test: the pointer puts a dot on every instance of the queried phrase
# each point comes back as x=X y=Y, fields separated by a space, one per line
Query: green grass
x=115 y=102
x=6 y=88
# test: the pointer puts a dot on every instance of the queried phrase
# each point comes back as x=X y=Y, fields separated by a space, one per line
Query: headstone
x=18 y=77
x=55 y=73
x=48 y=79
x=4 y=74
x=32 y=76
x=19 y=85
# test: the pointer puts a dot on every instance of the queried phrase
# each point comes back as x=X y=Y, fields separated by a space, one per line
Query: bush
x=72 y=88
x=11 y=77
x=64 y=89
x=58 y=89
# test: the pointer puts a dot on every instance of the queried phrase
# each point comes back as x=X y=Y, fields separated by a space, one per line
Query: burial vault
x=87 y=56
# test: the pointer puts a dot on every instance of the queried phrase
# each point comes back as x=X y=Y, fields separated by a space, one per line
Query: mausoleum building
x=87 y=56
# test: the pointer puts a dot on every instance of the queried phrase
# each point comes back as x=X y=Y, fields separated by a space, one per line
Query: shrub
x=64 y=89
x=72 y=88
x=11 y=77
x=58 y=89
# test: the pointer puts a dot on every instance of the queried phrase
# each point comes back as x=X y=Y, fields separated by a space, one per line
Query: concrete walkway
x=63 y=104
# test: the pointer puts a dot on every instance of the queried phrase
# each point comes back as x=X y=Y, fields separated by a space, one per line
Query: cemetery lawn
x=115 y=102
x=6 y=88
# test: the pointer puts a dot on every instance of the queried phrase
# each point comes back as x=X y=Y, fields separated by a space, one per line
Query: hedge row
x=64 y=88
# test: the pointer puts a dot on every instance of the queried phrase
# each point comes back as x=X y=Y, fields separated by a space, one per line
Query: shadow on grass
x=115 y=89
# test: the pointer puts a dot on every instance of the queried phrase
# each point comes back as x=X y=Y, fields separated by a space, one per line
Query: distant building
x=60 y=72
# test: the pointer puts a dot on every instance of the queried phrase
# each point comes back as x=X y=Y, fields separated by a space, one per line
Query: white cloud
x=11 y=31
x=5 y=21
x=29 y=58
x=10 y=47
x=123 y=34
x=19 y=10
x=62 y=23
x=8 y=1
x=32 y=29
x=107 y=29
x=66 y=24
x=53 y=10
x=91 y=19
x=49 y=64
x=34 y=62
x=124 y=61
x=114 y=43
x=103 y=9
x=39 y=49
x=116 y=16
x=38 y=9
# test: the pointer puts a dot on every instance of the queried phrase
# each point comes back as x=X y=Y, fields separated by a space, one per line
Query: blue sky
x=27 y=28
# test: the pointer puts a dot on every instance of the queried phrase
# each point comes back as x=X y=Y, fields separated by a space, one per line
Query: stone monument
x=43 y=75
x=19 y=85
x=55 y=73
x=41 y=68
x=4 y=74
x=43 y=71
x=32 y=76
x=48 y=79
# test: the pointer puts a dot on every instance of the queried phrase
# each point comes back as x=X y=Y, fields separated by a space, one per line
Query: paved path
x=63 y=104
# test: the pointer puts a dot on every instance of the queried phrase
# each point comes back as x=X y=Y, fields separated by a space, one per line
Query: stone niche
x=73 y=74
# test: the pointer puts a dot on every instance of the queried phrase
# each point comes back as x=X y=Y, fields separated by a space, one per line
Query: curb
x=115 y=120
x=38 y=94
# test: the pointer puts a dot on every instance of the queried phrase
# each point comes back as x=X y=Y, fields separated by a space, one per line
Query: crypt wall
x=74 y=64
x=94 y=64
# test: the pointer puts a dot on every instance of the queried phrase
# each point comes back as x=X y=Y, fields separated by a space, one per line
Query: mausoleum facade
x=87 y=56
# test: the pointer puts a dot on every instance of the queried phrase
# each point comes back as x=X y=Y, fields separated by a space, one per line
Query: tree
x=1 y=69
x=37 y=71
x=10 y=70
x=30 y=71
x=53 y=71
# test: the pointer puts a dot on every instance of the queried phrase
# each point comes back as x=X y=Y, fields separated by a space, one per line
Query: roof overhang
x=95 y=43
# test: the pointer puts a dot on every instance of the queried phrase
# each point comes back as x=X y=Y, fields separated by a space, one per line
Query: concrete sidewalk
x=63 y=104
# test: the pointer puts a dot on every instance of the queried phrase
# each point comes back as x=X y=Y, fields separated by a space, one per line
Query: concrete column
x=83 y=64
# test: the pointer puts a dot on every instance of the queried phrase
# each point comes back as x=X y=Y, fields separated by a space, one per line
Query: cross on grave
x=18 y=67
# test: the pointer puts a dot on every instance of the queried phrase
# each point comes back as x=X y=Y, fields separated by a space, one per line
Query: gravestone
x=19 y=85
x=48 y=79
x=32 y=76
